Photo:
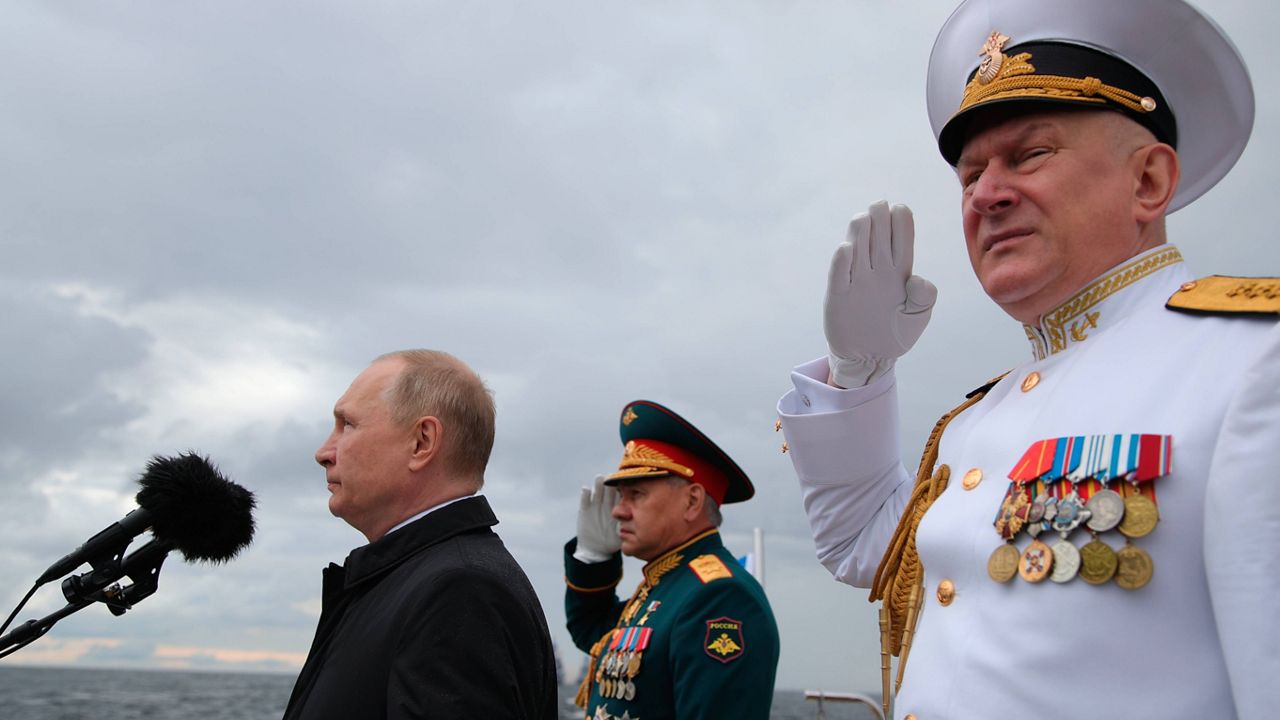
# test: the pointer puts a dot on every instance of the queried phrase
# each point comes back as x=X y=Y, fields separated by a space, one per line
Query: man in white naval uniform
x=1073 y=133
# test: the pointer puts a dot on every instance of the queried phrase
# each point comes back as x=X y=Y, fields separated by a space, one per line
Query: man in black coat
x=433 y=618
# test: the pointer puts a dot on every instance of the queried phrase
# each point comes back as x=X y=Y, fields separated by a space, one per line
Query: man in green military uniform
x=697 y=638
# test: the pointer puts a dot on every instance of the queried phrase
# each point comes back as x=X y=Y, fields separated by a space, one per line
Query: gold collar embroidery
x=653 y=572
x=671 y=559
x=1072 y=321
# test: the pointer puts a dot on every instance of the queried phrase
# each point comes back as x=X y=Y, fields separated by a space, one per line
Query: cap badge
x=992 y=57
x=629 y=416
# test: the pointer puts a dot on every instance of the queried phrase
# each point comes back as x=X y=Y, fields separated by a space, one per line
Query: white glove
x=875 y=308
x=597 y=530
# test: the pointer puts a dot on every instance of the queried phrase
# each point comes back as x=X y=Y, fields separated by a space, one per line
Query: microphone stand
x=98 y=585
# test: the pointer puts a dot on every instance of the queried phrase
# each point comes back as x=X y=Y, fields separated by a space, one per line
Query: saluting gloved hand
x=875 y=308
x=597 y=530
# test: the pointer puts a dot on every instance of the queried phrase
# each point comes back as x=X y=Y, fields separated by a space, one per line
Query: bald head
x=437 y=384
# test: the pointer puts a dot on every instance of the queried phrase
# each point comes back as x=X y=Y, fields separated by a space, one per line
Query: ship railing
x=825 y=696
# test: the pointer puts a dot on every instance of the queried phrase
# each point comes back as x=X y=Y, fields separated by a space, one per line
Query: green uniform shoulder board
x=1224 y=295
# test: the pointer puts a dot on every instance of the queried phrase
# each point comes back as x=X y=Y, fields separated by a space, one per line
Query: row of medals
x=618 y=668
x=1060 y=561
x=617 y=672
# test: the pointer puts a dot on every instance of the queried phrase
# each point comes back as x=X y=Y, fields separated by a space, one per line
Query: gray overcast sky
x=213 y=215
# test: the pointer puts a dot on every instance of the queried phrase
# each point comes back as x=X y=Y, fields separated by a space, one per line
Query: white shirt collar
x=428 y=511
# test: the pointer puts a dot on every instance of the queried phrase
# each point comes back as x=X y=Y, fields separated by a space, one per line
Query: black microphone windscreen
x=204 y=515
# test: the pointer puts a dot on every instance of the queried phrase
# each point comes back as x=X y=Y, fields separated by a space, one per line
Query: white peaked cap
x=1192 y=63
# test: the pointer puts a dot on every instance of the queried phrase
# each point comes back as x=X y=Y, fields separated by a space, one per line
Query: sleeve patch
x=708 y=568
x=724 y=639
x=1224 y=295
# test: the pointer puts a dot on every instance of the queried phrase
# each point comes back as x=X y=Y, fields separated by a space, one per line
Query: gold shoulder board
x=1224 y=295
x=708 y=568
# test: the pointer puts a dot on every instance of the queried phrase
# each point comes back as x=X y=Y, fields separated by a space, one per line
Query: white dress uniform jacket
x=1202 y=638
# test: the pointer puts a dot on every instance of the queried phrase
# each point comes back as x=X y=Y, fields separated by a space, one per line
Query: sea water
x=53 y=693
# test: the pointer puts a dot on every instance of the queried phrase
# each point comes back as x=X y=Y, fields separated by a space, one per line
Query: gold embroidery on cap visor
x=1003 y=77
x=642 y=461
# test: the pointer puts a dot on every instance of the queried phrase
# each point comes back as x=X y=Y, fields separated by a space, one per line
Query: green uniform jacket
x=696 y=641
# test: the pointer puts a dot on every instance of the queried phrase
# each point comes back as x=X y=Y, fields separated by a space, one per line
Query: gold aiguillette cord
x=900 y=567
x=884 y=658
x=913 y=606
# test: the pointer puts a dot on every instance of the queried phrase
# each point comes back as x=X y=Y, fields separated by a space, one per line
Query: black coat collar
x=370 y=561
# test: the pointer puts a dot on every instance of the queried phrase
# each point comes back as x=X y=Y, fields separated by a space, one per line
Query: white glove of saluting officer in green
x=875 y=309
x=598 y=536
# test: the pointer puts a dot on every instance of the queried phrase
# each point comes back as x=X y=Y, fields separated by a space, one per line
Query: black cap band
x=1063 y=74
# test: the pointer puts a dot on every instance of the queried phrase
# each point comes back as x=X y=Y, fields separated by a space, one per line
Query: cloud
x=215 y=364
